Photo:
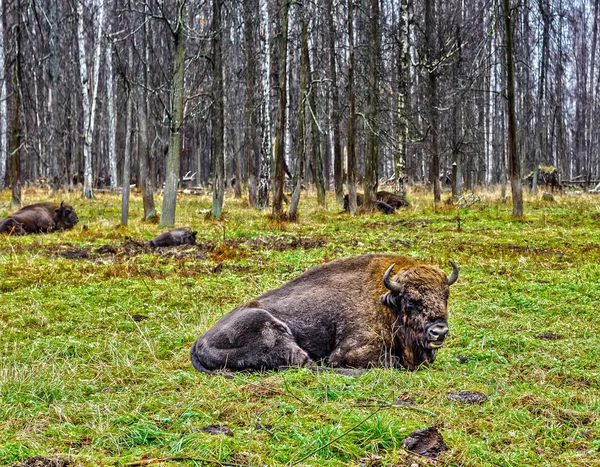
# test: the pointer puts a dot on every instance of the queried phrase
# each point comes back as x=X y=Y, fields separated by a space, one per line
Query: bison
x=42 y=217
x=349 y=313
x=174 y=237
x=384 y=201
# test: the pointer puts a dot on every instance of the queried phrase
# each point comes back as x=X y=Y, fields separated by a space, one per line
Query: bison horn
x=390 y=284
x=454 y=275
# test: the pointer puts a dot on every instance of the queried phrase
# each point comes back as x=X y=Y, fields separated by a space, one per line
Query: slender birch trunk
x=89 y=93
x=112 y=119
x=127 y=156
x=402 y=104
x=264 y=180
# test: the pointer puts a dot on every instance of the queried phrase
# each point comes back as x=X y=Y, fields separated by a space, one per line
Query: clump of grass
x=80 y=377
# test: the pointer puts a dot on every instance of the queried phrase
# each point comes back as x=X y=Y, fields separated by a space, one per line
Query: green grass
x=81 y=379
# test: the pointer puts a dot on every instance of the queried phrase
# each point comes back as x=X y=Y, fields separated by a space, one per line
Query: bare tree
x=351 y=114
x=167 y=216
x=3 y=98
x=89 y=92
x=514 y=165
x=217 y=114
x=280 y=118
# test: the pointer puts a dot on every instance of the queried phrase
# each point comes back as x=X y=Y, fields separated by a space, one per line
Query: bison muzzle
x=349 y=313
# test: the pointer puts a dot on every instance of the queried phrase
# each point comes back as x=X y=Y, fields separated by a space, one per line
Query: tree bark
x=167 y=216
x=402 y=104
x=15 y=156
x=252 y=145
x=112 y=119
x=280 y=121
x=514 y=165
x=3 y=114
x=338 y=166
x=217 y=115
x=434 y=174
x=127 y=156
x=371 y=172
x=351 y=114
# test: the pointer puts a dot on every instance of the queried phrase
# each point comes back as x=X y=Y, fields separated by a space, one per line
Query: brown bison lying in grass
x=40 y=217
x=346 y=313
x=174 y=237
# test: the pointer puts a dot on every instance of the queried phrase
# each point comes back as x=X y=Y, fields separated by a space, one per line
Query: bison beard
x=347 y=313
x=41 y=217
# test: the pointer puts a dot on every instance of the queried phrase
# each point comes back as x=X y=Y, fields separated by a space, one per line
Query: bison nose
x=438 y=332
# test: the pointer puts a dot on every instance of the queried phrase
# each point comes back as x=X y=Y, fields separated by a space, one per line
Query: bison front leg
x=357 y=354
x=247 y=339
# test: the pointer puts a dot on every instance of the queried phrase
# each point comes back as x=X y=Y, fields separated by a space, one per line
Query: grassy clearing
x=94 y=342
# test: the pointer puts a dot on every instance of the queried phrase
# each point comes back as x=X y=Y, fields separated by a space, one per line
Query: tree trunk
x=315 y=134
x=402 y=107
x=301 y=146
x=371 y=172
x=280 y=122
x=89 y=93
x=514 y=165
x=217 y=115
x=252 y=145
x=3 y=114
x=15 y=156
x=541 y=92
x=434 y=174
x=112 y=119
x=351 y=114
x=127 y=156
x=167 y=216
x=146 y=173
x=266 y=149
x=338 y=166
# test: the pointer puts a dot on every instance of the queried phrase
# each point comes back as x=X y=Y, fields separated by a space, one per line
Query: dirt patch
x=39 y=461
x=530 y=250
x=549 y=336
x=217 y=251
x=426 y=442
x=467 y=397
x=217 y=430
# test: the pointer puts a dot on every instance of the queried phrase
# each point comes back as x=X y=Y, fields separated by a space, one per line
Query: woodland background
x=258 y=95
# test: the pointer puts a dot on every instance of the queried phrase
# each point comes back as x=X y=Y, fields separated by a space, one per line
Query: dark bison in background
x=346 y=313
x=40 y=217
x=174 y=237
x=385 y=201
x=548 y=177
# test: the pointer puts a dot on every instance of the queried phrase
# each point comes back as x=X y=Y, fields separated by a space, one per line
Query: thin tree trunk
x=112 y=119
x=434 y=174
x=3 y=114
x=541 y=92
x=280 y=121
x=402 y=107
x=301 y=146
x=264 y=182
x=127 y=155
x=146 y=173
x=217 y=115
x=514 y=165
x=351 y=114
x=315 y=135
x=15 y=156
x=252 y=148
x=167 y=216
x=371 y=172
x=338 y=166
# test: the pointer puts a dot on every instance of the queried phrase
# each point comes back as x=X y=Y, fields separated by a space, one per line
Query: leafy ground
x=95 y=330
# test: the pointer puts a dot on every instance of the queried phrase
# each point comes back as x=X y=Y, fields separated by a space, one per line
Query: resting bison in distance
x=174 y=237
x=11 y=227
x=42 y=217
x=385 y=201
x=346 y=313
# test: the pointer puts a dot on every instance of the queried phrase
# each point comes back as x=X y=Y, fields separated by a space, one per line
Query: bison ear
x=194 y=234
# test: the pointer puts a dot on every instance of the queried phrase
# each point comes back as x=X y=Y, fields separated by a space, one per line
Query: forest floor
x=96 y=327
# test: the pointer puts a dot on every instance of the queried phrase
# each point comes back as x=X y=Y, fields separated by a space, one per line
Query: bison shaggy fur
x=348 y=313
x=41 y=217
